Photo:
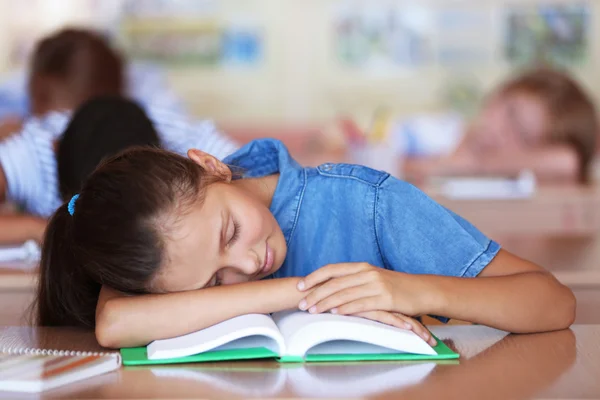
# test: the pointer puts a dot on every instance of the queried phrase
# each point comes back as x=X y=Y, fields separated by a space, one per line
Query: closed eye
x=236 y=233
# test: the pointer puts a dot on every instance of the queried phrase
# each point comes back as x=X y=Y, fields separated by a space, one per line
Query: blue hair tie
x=71 y=205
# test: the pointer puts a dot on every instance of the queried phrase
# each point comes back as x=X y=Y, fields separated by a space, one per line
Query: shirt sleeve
x=29 y=164
x=20 y=176
x=416 y=235
x=419 y=236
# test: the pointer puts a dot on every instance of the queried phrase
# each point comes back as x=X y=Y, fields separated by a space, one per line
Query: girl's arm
x=552 y=163
x=128 y=321
x=509 y=294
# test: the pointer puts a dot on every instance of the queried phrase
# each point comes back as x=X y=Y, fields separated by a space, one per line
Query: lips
x=268 y=264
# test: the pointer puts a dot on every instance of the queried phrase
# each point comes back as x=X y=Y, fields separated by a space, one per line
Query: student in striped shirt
x=68 y=69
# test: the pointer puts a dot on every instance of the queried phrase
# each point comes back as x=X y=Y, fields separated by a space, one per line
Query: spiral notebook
x=36 y=370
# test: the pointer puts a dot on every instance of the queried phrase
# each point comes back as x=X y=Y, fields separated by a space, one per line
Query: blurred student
x=68 y=69
x=540 y=120
x=144 y=82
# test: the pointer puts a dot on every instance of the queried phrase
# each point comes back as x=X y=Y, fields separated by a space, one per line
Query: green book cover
x=139 y=356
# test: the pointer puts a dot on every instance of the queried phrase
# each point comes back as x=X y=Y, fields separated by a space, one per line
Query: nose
x=248 y=265
x=239 y=268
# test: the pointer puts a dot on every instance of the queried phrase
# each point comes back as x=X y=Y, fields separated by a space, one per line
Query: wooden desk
x=553 y=210
x=15 y=279
x=17 y=288
x=563 y=364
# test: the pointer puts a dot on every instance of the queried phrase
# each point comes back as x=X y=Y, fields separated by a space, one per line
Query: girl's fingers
x=330 y=271
x=361 y=305
x=419 y=329
x=347 y=296
x=318 y=296
x=400 y=321
x=385 y=318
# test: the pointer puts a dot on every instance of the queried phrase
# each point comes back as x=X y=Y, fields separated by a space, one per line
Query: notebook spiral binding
x=50 y=352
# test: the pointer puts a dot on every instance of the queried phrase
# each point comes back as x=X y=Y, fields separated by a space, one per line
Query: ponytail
x=66 y=295
x=114 y=235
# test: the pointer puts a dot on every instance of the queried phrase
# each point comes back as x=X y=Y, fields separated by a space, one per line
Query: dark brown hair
x=116 y=235
x=100 y=128
x=80 y=60
x=571 y=114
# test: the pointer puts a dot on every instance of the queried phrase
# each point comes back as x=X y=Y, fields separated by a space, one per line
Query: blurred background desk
x=570 y=210
x=562 y=364
x=17 y=288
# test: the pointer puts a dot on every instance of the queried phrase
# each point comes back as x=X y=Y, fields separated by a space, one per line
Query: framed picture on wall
x=379 y=38
x=554 y=34
x=190 y=32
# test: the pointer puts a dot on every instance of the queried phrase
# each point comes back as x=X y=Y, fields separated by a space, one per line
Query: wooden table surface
x=571 y=210
x=493 y=365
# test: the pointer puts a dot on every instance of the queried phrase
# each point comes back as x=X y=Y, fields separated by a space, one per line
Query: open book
x=290 y=336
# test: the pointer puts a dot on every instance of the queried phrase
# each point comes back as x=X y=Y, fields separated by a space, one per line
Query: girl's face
x=229 y=237
x=511 y=120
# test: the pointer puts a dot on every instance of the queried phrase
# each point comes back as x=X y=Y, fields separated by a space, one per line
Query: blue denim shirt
x=348 y=213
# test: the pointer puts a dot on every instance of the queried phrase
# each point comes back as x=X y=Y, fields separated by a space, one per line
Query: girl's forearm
x=519 y=303
x=127 y=321
x=556 y=164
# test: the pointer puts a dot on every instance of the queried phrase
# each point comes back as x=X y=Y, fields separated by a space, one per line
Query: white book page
x=303 y=331
x=369 y=379
x=251 y=330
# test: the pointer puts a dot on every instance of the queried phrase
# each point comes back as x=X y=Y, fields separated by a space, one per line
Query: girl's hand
x=351 y=288
x=400 y=321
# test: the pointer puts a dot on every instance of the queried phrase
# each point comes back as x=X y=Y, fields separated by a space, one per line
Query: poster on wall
x=553 y=34
x=378 y=38
x=242 y=43
x=176 y=32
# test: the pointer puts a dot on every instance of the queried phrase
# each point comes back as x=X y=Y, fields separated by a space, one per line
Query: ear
x=210 y=163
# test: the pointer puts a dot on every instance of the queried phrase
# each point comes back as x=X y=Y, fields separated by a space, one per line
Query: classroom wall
x=299 y=78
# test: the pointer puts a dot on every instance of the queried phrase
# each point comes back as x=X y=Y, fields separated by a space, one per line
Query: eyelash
x=236 y=233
